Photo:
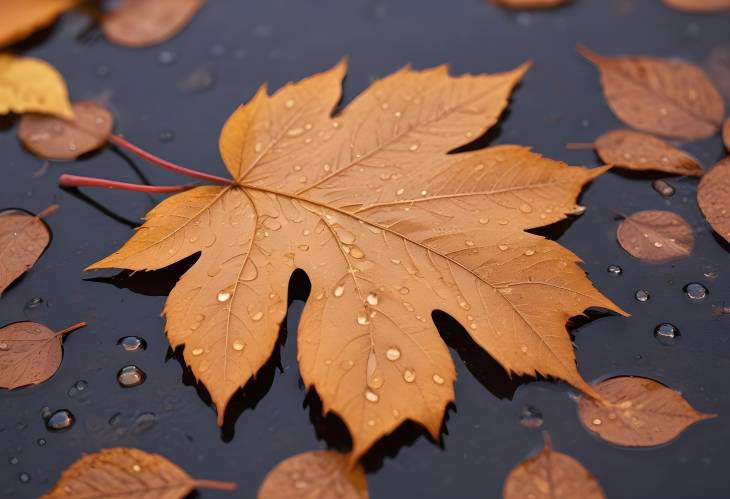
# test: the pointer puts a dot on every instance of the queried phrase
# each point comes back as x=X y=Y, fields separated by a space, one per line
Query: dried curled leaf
x=141 y=23
x=655 y=236
x=551 y=475
x=713 y=196
x=320 y=474
x=22 y=18
x=529 y=4
x=30 y=353
x=23 y=238
x=637 y=412
x=662 y=96
x=127 y=473
x=29 y=85
x=699 y=5
x=54 y=138
x=641 y=151
x=389 y=227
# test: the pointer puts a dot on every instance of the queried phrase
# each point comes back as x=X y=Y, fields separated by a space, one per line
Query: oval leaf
x=699 y=5
x=127 y=473
x=637 y=412
x=54 y=138
x=30 y=85
x=529 y=4
x=141 y=23
x=713 y=196
x=662 y=96
x=20 y=19
x=640 y=151
x=551 y=475
x=23 y=238
x=321 y=474
x=655 y=236
x=30 y=353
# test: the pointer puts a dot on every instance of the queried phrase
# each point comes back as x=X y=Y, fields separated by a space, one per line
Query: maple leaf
x=389 y=228
x=32 y=85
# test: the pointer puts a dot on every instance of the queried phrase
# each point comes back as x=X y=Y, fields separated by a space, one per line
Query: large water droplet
x=132 y=343
x=223 y=296
x=614 y=270
x=695 y=291
x=392 y=354
x=130 y=376
x=60 y=420
x=666 y=333
x=642 y=295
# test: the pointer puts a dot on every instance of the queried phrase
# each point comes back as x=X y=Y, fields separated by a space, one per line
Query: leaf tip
x=588 y=54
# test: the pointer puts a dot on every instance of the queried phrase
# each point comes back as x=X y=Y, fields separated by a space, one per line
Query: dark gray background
x=239 y=45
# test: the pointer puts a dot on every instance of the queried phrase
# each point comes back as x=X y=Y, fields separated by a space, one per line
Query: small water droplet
x=197 y=351
x=24 y=477
x=4 y=347
x=166 y=57
x=136 y=468
x=60 y=420
x=356 y=252
x=130 y=376
x=41 y=442
x=372 y=299
x=392 y=354
x=166 y=136
x=132 y=343
x=529 y=252
x=339 y=291
x=414 y=146
x=408 y=306
x=658 y=244
x=695 y=291
x=289 y=103
x=531 y=417
x=13 y=460
x=144 y=422
x=523 y=348
x=238 y=345
x=526 y=208
x=371 y=396
x=597 y=422
x=614 y=270
x=34 y=303
x=257 y=316
x=409 y=376
x=223 y=296
x=371 y=422
x=77 y=388
x=437 y=379
x=362 y=318
x=347 y=364
x=663 y=188
x=666 y=333
x=503 y=247
x=642 y=295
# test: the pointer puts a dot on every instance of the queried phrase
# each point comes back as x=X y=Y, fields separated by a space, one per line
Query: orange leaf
x=22 y=18
x=713 y=196
x=699 y=5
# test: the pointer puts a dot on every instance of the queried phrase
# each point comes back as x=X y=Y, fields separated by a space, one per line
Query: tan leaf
x=641 y=151
x=726 y=134
x=30 y=353
x=662 y=96
x=320 y=474
x=20 y=19
x=23 y=238
x=389 y=227
x=551 y=475
x=54 y=138
x=655 y=235
x=713 y=196
x=30 y=85
x=637 y=412
x=127 y=473
x=529 y=4
x=141 y=23
x=699 y=5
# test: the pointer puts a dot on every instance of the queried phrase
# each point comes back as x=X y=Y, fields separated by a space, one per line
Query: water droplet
x=339 y=291
x=197 y=351
x=136 y=468
x=695 y=291
x=469 y=242
x=60 y=420
x=414 y=146
x=77 y=388
x=130 y=376
x=666 y=333
x=395 y=413
x=529 y=252
x=345 y=236
x=642 y=295
x=503 y=247
x=663 y=188
x=658 y=244
x=408 y=306
x=614 y=270
x=289 y=103
x=531 y=417
x=257 y=316
x=523 y=348
x=295 y=132
x=526 y=208
x=371 y=396
x=371 y=422
x=223 y=296
x=24 y=477
x=356 y=252
x=400 y=191
x=132 y=343
x=347 y=364
x=41 y=442
x=362 y=318
x=372 y=299
x=437 y=379
x=392 y=354
x=13 y=460
x=166 y=57
x=34 y=303
x=424 y=192
x=144 y=422
x=4 y=347
x=503 y=222
x=597 y=422
x=409 y=376
x=463 y=303
x=238 y=345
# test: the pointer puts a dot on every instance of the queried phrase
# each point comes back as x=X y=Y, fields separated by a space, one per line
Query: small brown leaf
x=637 y=412
x=662 y=96
x=529 y=4
x=698 y=5
x=726 y=134
x=655 y=236
x=141 y=23
x=321 y=474
x=23 y=237
x=641 y=151
x=127 y=473
x=20 y=19
x=713 y=196
x=29 y=85
x=30 y=353
x=49 y=137
x=551 y=475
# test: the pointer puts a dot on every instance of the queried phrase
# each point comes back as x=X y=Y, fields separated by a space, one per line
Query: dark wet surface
x=172 y=100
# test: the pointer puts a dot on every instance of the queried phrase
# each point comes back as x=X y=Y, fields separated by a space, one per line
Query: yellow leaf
x=21 y=18
x=32 y=85
x=389 y=228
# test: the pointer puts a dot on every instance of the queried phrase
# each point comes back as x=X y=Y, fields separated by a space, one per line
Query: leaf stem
x=51 y=209
x=155 y=160
x=74 y=327
x=214 y=484
x=67 y=180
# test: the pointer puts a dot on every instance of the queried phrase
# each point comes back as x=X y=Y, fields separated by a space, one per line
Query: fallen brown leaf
x=713 y=196
x=640 y=151
x=637 y=412
x=23 y=238
x=30 y=85
x=141 y=23
x=655 y=235
x=19 y=19
x=662 y=96
x=726 y=134
x=529 y=4
x=320 y=474
x=699 y=5
x=389 y=227
x=127 y=473
x=551 y=475
x=50 y=137
x=30 y=353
